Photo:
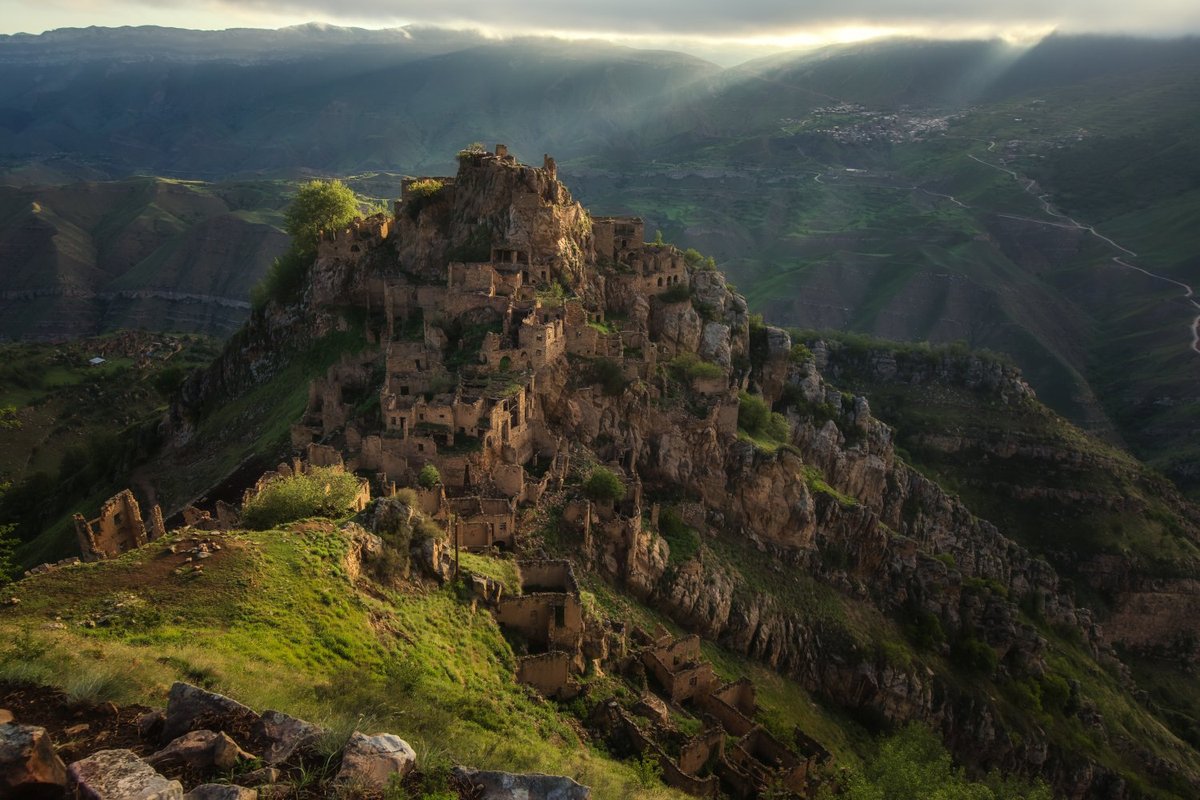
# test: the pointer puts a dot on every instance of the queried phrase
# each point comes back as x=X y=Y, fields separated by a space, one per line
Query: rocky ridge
x=832 y=500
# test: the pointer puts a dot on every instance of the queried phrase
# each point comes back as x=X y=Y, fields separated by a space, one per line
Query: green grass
x=503 y=570
x=423 y=665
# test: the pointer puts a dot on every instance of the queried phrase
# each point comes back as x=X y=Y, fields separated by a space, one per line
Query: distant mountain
x=908 y=189
x=140 y=253
x=203 y=105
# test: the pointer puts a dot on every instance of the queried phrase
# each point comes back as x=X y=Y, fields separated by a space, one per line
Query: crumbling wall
x=549 y=673
x=117 y=529
x=731 y=719
x=548 y=575
x=702 y=749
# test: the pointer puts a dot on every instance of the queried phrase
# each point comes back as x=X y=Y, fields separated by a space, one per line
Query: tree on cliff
x=318 y=206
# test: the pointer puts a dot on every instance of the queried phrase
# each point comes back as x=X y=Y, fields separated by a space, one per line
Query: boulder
x=221 y=791
x=371 y=761
x=200 y=750
x=190 y=707
x=28 y=764
x=120 y=775
x=286 y=734
x=532 y=786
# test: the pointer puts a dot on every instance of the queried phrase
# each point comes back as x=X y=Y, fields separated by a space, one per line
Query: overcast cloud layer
x=662 y=19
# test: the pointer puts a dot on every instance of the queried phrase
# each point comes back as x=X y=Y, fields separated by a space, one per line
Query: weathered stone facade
x=118 y=528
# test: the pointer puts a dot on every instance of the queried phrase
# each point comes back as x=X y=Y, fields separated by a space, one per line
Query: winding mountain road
x=1030 y=187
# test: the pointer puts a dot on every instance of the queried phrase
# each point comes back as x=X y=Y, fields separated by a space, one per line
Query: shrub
x=604 y=485
x=429 y=476
x=778 y=428
x=473 y=149
x=974 y=655
x=913 y=763
x=424 y=189
x=925 y=630
x=284 y=279
x=676 y=294
x=609 y=375
x=753 y=413
x=420 y=195
x=689 y=365
x=321 y=492
x=648 y=770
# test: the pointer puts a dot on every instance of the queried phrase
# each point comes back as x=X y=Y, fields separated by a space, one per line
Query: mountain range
x=919 y=190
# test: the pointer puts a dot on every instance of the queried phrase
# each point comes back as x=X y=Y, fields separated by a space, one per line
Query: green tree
x=429 y=476
x=913 y=765
x=318 y=206
x=604 y=485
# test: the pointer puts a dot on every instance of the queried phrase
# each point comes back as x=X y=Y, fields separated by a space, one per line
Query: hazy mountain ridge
x=913 y=238
x=142 y=253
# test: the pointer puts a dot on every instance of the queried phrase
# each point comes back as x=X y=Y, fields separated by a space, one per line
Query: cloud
x=776 y=20
x=750 y=18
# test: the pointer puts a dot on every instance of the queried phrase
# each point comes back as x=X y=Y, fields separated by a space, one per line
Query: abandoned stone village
x=497 y=314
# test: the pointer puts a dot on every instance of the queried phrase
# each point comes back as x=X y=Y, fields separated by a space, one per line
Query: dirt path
x=1030 y=187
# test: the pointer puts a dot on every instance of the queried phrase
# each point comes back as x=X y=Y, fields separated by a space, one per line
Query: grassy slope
x=275 y=621
x=253 y=426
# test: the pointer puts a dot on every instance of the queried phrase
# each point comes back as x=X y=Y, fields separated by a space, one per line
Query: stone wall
x=117 y=529
x=549 y=673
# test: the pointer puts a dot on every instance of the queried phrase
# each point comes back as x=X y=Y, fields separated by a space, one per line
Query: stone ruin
x=118 y=528
x=731 y=754
x=465 y=347
x=548 y=617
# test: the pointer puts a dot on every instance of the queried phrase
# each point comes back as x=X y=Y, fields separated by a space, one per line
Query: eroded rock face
x=371 y=761
x=29 y=766
x=120 y=775
x=534 y=786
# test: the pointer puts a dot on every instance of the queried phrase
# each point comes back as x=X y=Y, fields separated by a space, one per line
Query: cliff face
x=506 y=329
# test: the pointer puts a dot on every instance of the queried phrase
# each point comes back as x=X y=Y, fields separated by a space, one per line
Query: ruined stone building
x=479 y=295
x=118 y=528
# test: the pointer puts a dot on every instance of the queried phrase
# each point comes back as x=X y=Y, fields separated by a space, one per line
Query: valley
x=824 y=425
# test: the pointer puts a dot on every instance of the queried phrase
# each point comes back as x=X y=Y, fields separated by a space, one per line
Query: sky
x=679 y=24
